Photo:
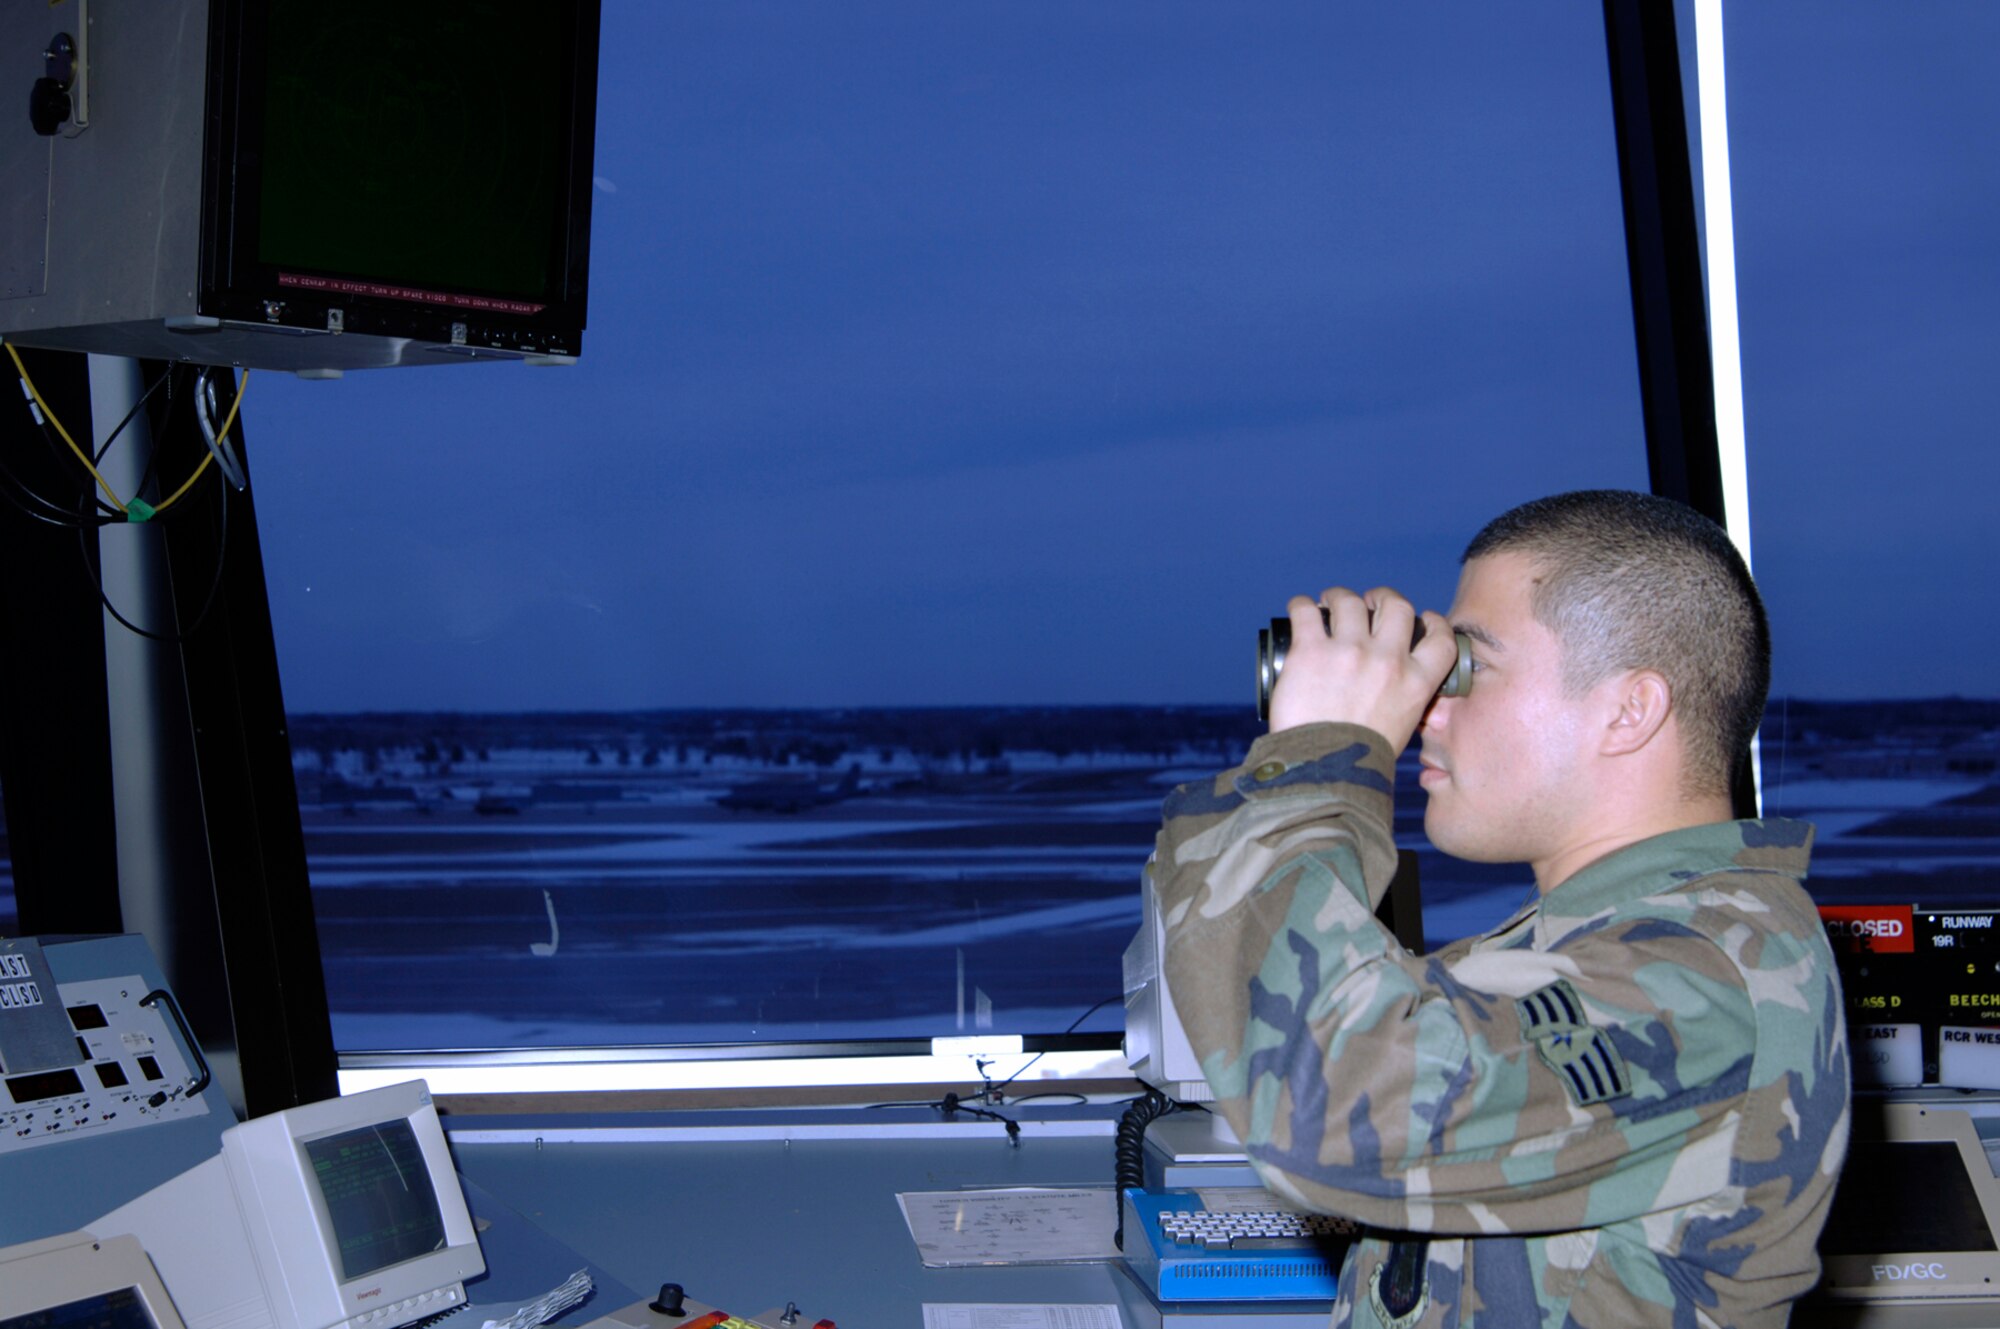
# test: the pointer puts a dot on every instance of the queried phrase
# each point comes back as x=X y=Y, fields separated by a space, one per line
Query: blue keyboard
x=1231 y=1244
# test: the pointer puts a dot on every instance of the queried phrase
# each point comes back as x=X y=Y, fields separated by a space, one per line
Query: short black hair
x=1635 y=581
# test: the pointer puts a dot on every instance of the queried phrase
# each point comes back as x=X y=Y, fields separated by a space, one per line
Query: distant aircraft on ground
x=794 y=795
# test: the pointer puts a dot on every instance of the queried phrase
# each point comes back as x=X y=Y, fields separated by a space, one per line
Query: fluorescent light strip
x=781 y=1072
x=791 y=1130
x=1725 y=344
x=1718 y=219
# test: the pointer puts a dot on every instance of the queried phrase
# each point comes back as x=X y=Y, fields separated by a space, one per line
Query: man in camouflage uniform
x=1627 y=1104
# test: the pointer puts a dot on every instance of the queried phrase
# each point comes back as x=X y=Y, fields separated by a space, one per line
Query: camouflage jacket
x=1626 y=1105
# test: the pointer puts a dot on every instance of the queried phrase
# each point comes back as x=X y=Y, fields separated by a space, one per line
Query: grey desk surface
x=749 y=1224
x=752 y=1224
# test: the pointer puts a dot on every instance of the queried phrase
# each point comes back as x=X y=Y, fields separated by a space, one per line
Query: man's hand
x=1359 y=666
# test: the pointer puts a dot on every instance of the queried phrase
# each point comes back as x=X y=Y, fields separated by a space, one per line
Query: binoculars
x=1274 y=642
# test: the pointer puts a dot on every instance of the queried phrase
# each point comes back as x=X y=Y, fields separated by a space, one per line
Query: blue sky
x=1866 y=195
x=1027 y=354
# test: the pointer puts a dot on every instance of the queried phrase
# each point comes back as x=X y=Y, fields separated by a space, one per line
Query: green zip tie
x=138 y=510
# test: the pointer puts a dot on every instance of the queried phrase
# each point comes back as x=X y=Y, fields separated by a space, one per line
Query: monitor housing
x=1916 y=1218
x=74 y=1281
x=1156 y=1042
x=332 y=1215
x=284 y=185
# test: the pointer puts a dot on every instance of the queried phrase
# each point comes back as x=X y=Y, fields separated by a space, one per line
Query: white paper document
x=992 y=1316
x=1016 y=1225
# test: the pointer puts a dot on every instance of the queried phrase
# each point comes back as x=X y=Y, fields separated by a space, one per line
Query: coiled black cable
x=1130 y=1167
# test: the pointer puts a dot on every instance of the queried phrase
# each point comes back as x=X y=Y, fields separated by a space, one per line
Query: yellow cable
x=221 y=437
x=81 y=455
x=185 y=486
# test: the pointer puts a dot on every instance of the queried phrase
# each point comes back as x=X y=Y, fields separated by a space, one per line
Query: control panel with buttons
x=130 y=1071
x=420 y=1307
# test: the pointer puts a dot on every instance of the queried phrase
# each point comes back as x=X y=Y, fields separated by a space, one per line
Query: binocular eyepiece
x=1274 y=642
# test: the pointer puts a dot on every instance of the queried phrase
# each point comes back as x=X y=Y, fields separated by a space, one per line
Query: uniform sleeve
x=1467 y=1092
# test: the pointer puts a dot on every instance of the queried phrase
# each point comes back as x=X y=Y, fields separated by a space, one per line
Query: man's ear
x=1642 y=699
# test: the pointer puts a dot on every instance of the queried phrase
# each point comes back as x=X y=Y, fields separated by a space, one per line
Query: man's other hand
x=1358 y=667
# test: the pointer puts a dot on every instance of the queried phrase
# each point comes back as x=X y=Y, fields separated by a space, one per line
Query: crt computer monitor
x=1916 y=1217
x=314 y=1217
x=72 y=1281
x=1156 y=1043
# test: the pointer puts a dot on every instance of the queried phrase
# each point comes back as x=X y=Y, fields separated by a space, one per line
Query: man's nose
x=1438 y=713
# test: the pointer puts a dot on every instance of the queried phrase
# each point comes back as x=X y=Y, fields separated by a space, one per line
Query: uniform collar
x=1776 y=844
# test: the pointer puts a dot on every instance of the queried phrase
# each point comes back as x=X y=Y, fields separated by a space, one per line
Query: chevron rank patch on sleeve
x=1578 y=1051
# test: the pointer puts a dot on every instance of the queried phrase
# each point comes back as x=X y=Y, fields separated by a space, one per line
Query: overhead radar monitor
x=283 y=184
